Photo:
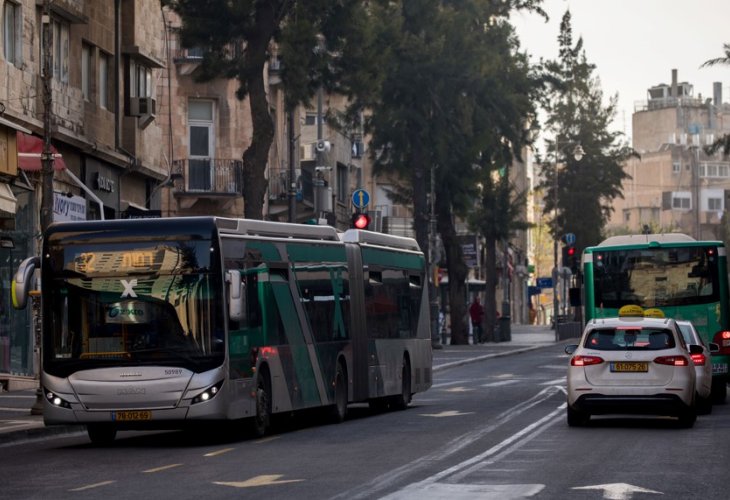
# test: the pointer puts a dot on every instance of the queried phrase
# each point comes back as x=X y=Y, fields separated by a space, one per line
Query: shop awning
x=30 y=148
x=7 y=198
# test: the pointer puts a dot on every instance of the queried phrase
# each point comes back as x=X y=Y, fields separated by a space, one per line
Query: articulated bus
x=684 y=278
x=161 y=323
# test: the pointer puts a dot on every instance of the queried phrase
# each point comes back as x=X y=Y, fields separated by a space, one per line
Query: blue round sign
x=360 y=198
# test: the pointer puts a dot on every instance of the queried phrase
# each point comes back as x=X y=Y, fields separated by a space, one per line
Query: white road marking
x=618 y=491
x=500 y=383
x=218 y=452
x=448 y=413
x=159 y=469
x=265 y=480
x=95 y=485
x=557 y=381
x=459 y=389
x=438 y=491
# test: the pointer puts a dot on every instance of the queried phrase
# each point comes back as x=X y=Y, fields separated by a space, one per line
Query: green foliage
x=586 y=188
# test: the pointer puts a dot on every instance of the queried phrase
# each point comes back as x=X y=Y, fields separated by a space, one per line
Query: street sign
x=360 y=198
x=569 y=238
x=545 y=282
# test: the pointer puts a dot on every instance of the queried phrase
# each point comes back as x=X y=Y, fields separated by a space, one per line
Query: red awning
x=30 y=148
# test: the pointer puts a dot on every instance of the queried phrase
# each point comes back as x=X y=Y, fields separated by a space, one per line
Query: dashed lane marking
x=91 y=486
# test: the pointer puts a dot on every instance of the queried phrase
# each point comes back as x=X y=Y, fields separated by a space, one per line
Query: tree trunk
x=256 y=156
x=490 y=299
x=457 y=271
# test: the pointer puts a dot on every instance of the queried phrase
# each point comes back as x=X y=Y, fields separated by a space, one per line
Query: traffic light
x=360 y=221
x=570 y=258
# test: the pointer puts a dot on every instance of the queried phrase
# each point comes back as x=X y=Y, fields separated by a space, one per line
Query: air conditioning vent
x=142 y=106
x=306 y=152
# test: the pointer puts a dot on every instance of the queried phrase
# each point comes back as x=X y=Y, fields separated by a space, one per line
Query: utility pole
x=292 y=169
x=46 y=181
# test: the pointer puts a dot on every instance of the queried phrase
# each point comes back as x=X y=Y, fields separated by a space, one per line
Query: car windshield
x=633 y=339
x=690 y=337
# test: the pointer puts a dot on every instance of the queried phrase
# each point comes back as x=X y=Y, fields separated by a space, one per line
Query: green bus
x=162 y=323
x=684 y=278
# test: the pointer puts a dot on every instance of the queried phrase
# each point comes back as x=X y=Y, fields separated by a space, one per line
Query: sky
x=635 y=44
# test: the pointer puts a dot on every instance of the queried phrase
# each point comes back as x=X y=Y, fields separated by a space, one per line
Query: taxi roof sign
x=631 y=310
x=654 y=313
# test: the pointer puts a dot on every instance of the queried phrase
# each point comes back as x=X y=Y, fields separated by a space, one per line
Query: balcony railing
x=279 y=182
x=215 y=176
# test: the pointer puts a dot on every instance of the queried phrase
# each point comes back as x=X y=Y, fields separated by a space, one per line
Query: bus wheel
x=339 y=409
x=401 y=401
x=262 y=420
x=101 y=434
x=719 y=390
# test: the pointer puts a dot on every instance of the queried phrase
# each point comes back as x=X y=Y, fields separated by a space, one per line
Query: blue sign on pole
x=545 y=282
x=569 y=238
x=360 y=198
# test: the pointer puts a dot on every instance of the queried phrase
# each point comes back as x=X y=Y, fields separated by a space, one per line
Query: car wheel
x=401 y=401
x=338 y=411
x=687 y=417
x=719 y=391
x=704 y=405
x=577 y=418
x=262 y=419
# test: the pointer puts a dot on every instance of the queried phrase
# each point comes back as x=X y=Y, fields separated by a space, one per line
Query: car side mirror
x=695 y=349
x=713 y=347
x=570 y=348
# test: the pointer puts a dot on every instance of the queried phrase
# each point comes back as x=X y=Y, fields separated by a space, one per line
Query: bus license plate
x=719 y=368
x=128 y=416
x=629 y=366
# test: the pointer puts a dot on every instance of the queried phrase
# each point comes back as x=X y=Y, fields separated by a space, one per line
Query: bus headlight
x=56 y=400
x=207 y=394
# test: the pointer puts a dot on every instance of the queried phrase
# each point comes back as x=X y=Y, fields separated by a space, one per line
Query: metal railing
x=209 y=175
x=279 y=182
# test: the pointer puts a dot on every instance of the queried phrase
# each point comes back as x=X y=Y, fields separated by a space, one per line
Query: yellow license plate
x=629 y=366
x=127 y=416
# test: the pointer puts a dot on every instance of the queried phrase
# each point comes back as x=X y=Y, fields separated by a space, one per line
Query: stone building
x=676 y=185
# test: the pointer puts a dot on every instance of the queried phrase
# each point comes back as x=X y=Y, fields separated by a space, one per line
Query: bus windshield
x=656 y=277
x=117 y=304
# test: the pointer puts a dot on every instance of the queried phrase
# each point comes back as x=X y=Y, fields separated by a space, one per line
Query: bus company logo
x=115 y=312
x=129 y=288
x=131 y=391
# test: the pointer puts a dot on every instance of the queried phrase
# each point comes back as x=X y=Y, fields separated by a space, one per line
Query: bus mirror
x=21 y=285
x=236 y=296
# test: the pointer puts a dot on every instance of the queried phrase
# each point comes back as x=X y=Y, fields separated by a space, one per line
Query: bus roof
x=379 y=239
x=641 y=239
x=276 y=229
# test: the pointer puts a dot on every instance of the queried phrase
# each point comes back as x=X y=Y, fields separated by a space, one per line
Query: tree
x=453 y=90
x=722 y=142
x=315 y=38
x=577 y=116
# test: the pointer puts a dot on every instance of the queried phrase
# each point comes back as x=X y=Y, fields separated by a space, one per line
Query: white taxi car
x=631 y=365
x=703 y=365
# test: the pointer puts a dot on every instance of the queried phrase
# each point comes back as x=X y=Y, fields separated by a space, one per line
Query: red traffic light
x=571 y=251
x=360 y=221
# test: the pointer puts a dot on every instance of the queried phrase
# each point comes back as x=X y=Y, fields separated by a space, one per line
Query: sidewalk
x=17 y=423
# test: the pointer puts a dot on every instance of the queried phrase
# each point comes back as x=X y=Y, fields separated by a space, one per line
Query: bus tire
x=719 y=390
x=402 y=400
x=101 y=434
x=338 y=411
x=262 y=418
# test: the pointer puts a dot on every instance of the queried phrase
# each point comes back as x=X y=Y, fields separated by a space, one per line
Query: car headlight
x=56 y=400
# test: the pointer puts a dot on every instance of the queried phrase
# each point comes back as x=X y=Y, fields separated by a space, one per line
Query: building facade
x=676 y=185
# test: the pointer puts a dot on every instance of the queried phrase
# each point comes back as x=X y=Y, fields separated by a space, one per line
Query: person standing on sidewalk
x=476 y=311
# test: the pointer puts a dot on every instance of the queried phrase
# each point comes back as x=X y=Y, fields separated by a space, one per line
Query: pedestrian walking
x=476 y=311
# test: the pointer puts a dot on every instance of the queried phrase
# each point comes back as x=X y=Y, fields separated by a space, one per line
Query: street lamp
x=578 y=155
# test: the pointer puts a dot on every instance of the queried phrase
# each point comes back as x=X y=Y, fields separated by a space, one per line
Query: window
x=343 y=183
x=86 y=71
x=12 y=33
x=676 y=167
x=682 y=200
x=310 y=119
x=702 y=170
x=722 y=171
x=714 y=204
x=60 y=43
x=711 y=170
x=201 y=143
x=103 y=80
x=140 y=80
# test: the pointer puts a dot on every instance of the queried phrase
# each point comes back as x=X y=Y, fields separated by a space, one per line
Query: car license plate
x=629 y=366
x=127 y=416
x=719 y=368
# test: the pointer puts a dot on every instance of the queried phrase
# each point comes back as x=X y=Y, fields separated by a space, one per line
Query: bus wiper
x=181 y=352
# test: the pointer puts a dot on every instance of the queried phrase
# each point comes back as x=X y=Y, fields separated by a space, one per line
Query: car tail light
x=672 y=360
x=722 y=338
x=698 y=359
x=585 y=360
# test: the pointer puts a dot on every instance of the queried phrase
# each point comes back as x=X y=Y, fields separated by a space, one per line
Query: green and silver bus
x=161 y=323
x=684 y=278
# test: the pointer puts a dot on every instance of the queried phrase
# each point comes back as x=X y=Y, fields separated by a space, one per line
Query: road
x=494 y=429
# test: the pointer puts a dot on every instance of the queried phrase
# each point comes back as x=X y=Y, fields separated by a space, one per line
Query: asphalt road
x=494 y=429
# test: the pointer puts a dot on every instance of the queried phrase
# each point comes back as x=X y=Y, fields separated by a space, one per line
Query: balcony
x=279 y=182
x=214 y=179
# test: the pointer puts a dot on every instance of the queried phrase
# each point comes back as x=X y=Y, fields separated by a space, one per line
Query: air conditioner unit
x=306 y=152
x=142 y=106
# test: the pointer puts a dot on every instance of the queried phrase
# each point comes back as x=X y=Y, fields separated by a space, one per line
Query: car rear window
x=632 y=339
